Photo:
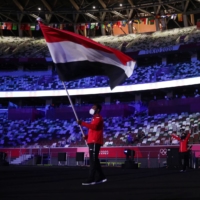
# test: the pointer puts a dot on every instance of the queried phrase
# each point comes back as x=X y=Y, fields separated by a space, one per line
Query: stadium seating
x=143 y=130
x=136 y=42
x=141 y=75
x=16 y=47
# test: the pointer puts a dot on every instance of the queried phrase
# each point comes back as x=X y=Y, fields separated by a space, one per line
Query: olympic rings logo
x=163 y=151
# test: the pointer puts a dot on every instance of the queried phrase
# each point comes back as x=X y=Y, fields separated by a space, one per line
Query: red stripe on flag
x=53 y=35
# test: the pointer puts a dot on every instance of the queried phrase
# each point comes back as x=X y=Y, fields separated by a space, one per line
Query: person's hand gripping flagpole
x=75 y=114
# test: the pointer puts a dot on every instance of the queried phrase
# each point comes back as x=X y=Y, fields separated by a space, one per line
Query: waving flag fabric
x=76 y=57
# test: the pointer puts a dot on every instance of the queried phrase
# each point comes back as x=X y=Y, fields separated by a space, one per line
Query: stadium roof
x=86 y=11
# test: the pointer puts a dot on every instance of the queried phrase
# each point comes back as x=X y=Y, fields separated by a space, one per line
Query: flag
x=151 y=20
x=27 y=27
x=180 y=17
x=14 y=27
x=32 y=27
x=97 y=26
x=37 y=27
x=78 y=27
x=82 y=27
x=88 y=26
x=22 y=27
x=109 y=25
x=77 y=57
x=92 y=26
x=9 y=26
x=137 y=21
x=61 y=26
x=124 y=23
x=145 y=20
x=4 y=26
x=103 y=26
x=119 y=24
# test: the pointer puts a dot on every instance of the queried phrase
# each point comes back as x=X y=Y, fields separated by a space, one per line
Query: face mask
x=91 y=111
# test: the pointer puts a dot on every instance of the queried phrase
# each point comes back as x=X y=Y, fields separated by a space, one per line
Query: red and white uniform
x=95 y=133
x=183 y=143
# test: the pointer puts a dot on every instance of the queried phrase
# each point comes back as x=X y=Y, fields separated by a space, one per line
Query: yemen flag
x=77 y=57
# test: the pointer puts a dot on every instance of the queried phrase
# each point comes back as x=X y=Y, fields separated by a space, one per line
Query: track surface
x=57 y=183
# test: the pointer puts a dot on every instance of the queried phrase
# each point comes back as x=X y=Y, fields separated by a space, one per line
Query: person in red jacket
x=94 y=141
x=183 y=149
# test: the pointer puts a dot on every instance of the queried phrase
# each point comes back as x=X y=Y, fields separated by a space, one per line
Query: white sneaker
x=101 y=180
x=89 y=182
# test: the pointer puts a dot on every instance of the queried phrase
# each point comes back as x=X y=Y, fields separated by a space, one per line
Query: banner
x=180 y=17
x=14 y=27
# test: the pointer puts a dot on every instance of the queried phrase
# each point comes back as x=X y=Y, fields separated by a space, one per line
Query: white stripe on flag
x=66 y=51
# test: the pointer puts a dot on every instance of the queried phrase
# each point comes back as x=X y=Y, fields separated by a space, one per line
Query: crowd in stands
x=118 y=131
x=137 y=129
x=15 y=47
x=159 y=39
x=11 y=47
x=140 y=75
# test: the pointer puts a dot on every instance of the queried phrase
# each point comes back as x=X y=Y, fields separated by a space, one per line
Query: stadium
x=40 y=139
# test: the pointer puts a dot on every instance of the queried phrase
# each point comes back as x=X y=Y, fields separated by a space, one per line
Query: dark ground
x=57 y=183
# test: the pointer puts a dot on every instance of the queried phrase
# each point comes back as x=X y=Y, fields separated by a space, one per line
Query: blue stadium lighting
x=103 y=90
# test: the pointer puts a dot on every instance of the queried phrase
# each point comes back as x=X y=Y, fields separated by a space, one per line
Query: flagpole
x=73 y=109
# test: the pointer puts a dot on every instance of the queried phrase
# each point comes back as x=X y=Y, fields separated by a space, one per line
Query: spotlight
x=129 y=154
x=120 y=4
x=39 y=8
x=129 y=162
x=94 y=7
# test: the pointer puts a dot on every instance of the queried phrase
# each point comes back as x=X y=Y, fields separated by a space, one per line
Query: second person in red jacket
x=183 y=149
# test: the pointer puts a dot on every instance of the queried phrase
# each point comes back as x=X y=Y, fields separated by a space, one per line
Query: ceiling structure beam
x=74 y=4
x=26 y=3
x=46 y=5
x=47 y=16
x=186 y=6
x=140 y=9
x=63 y=17
x=21 y=8
x=114 y=12
x=173 y=6
x=104 y=6
x=87 y=14
x=158 y=9
x=130 y=14
x=176 y=9
x=10 y=18
x=18 y=5
x=103 y=16
x=193 y=3
x=76 y=17
x=92 y=16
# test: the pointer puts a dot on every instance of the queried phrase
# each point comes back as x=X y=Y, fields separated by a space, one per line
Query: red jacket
x=95 y=133
x=183 y=143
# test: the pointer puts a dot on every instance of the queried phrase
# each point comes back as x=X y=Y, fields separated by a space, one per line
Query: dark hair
x=99 y=107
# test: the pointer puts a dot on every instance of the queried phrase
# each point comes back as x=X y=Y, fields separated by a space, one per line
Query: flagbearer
x=95 y=141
